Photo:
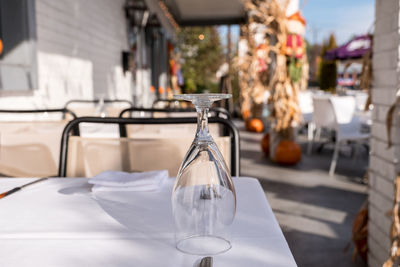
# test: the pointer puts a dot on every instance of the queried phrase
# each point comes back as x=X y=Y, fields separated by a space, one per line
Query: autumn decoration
x=287 y=152
x=246 y=114
x=360 y=233
x=254 y=125
x=394 y=257
x=272 y=58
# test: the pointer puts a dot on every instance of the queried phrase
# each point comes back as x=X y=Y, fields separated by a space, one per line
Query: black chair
x=59 y=110
x=108 y=104
x=96 y=101
x=213 y=112
x=122 y=122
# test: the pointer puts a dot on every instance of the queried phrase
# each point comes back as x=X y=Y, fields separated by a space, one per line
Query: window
x=18 y=34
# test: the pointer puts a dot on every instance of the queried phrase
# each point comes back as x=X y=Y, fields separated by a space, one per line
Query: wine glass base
x=203 y=245
x=202 y=100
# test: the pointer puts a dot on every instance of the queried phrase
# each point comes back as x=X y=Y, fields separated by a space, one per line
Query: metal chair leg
x=318 y=134
x=334 y=158
x=355 y=152
x=310 y=137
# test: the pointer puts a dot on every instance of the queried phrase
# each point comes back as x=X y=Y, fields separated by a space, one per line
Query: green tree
x=202 y=55
x=328 y=68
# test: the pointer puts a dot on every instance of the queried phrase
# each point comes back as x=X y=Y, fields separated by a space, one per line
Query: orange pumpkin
x=287 y=152
x=265 y=144
x=254 y=125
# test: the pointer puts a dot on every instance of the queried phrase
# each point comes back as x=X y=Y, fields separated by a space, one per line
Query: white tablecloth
x=59 y=222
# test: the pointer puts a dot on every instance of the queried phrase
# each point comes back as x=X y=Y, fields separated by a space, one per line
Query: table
x=60 y=222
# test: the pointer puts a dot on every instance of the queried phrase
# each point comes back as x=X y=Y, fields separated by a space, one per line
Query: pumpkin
x=254 y=125
x=1 y=46
x=287 y=152
x=265 y=144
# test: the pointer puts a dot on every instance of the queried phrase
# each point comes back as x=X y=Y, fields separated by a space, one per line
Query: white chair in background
x=306 y=105
x=305 y=99
x=361 y=98
x=337 y=113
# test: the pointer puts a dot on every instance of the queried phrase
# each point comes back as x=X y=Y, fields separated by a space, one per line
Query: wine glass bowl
x=203 y=198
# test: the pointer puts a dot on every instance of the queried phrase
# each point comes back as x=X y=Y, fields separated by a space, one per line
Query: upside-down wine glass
x=203 y=198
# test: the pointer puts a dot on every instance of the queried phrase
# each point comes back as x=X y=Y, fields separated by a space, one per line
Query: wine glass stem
x=202 y=132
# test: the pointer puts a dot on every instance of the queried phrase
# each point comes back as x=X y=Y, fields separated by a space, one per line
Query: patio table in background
x=59 y=222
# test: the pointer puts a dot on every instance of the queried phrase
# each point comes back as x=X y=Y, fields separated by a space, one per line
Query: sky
x=344 y=18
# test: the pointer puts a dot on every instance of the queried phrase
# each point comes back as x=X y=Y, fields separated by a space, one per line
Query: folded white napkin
x=123 y=181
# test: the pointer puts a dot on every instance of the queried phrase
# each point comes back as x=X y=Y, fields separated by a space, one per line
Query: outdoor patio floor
x=315 y=211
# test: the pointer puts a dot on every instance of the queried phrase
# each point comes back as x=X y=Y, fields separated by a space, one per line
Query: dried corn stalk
x=366 y=77
x=244 y=62
x=389 y=118
x=268 y=20
x=303 y=83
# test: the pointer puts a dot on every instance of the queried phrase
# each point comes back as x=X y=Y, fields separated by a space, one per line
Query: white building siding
x=384 y=164
x=79 y=45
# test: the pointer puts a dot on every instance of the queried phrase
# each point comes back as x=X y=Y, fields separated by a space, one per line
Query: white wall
x=79 y=45
x=384 y=163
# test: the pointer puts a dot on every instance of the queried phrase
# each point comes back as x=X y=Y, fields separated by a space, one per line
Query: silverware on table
x=16 y=189
x=206 y=262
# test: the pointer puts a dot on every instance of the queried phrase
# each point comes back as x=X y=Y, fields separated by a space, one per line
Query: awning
x=354 y=49
x=206 y=12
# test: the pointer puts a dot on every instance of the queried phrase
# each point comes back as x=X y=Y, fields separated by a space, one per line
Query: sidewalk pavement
x=315 y=211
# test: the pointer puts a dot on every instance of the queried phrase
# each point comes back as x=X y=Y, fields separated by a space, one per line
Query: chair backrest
x=177 y=113
x=331 y=111
x=306 y=102
x=361 y=99
x=344 y=107
x=88 y=157
x=324 y=114
x=137 y=152
x=31 y=148
x=84 y=107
